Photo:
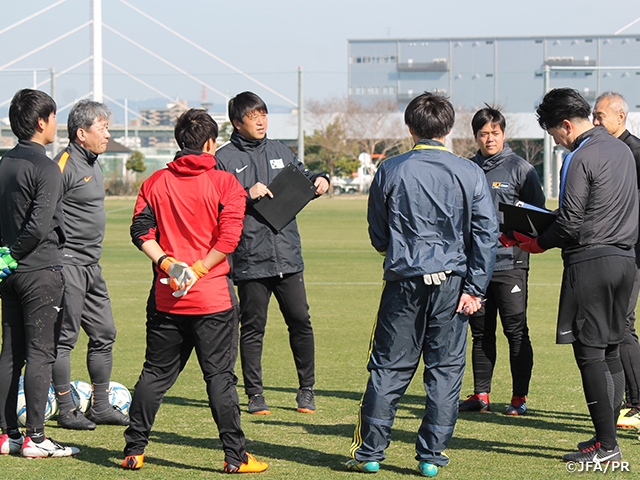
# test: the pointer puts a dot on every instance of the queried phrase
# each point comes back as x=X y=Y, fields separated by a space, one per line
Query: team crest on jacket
x=500 y=185
x=276 y=163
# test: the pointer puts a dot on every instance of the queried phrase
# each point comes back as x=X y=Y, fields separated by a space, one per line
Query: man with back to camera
x=596 y=227
x=190 y=212
x=32 y=236
x=86 y=300
x=610 y=111
x=266 y=262
x=511 y=179
x=430 y=214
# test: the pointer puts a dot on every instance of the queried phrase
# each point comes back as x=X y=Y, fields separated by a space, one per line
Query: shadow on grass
x=184 y=402
x=113 y=458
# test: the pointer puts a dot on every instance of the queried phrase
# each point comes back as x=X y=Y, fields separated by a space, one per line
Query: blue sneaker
x=518 y=406
x=427 y=469
x=364 y=467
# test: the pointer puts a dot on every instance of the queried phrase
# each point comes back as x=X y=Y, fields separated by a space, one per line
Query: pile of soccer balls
x=81 y=394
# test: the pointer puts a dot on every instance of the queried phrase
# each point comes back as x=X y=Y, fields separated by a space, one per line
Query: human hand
x=527 y=243
x=258 y=191
x=181 y=278
x=507 y=240
x=435 y=278
x=322 y=185
x=469 y=304
x=7 y=263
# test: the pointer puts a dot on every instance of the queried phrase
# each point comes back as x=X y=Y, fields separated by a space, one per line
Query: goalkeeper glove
x=181 y=278
x=528 y=244
x=199 y=269
x=7 y=263
x=189 y=277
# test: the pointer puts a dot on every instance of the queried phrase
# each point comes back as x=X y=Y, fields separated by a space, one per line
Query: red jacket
x=190 y=208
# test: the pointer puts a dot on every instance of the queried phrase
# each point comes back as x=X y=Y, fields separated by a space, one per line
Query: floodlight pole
x=96 y=44
x=546 y=162
x=300 y=116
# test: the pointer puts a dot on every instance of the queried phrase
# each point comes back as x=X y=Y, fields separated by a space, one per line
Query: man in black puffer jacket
x=266 y=262
x=511 y=179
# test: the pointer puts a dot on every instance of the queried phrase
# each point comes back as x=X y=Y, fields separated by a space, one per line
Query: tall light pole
x=96 y=46
x=300 y=116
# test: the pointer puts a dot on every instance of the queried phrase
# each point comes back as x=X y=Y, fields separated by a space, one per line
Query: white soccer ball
x=51 y=407
x=119 y=397
x=81 y=394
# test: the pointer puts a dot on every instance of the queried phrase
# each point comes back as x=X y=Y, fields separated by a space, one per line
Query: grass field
x=343 y=276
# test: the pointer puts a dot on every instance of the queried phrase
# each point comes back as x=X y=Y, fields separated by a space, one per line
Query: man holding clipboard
x=268 y=259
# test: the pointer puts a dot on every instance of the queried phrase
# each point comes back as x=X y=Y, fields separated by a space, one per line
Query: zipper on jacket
x=275 y=247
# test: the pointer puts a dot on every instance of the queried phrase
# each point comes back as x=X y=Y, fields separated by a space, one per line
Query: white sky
x=267 y=39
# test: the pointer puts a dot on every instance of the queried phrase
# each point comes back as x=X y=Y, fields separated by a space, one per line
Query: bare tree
x=329 y=142
x=463 y=143
x=376 y=128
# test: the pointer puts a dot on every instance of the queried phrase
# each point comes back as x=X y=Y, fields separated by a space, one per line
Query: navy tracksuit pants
x=414 y=321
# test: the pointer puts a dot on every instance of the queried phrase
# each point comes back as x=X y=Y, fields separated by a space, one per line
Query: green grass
x=343 y=277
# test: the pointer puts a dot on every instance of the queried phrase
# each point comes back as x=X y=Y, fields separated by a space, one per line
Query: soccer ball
x=81 y=394
x=51 y=408
x=119 y=397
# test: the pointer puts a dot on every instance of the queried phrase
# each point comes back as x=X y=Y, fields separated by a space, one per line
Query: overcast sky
x=266 y=39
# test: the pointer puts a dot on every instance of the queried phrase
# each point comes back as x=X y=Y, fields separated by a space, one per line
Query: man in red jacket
x=187 y=219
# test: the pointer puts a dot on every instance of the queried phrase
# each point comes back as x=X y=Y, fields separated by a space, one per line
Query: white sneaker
x=10 y=445
x=48 y=448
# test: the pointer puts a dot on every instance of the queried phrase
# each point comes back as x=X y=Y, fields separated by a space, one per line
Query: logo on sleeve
x=500 y=185
x=276 y=163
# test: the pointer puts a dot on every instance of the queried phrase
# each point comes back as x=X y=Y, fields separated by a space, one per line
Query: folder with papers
x=526 y=219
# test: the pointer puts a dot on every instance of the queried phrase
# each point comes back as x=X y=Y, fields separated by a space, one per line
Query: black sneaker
x=595 y=454
x=110 y=416
x=75 y=420
x=258 y=405
x=306 y=400
x=587 y=444
x=478 y=402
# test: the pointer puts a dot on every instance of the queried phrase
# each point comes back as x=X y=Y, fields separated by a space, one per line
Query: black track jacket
x=261 y=252
x=598 y=215
x=31 y=219
x=511 y=179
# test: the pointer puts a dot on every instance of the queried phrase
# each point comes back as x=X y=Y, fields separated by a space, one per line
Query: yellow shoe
x=629 y=419
x=133 y=462
x=252 y=465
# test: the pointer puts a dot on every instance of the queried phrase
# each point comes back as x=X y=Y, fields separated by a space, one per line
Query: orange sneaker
x=133 y=462
x=252 y=465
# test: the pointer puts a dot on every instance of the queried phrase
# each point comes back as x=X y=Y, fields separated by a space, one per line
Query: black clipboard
x=292 y=190
x=526 y=219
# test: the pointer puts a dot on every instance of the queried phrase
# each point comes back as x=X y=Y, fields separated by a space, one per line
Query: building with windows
x=507 y=72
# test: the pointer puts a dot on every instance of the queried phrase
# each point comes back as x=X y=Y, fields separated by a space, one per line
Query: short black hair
x=562 y=104
x=83 y=114
x=27 y=107
x=430 y=116
x=193 y=128
x=244 y=103
x=488 y=115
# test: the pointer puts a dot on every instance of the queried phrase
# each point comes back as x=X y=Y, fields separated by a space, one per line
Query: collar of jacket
x=595 y=131
x=244 y=144
x=488 y=163
x=623 y=136
x=428 y=143
x=191 y=162
x=33 y=145
x=90 y=157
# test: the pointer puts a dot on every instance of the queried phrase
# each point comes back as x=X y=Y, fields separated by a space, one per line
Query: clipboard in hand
x=292 y=190
x=526 y=219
